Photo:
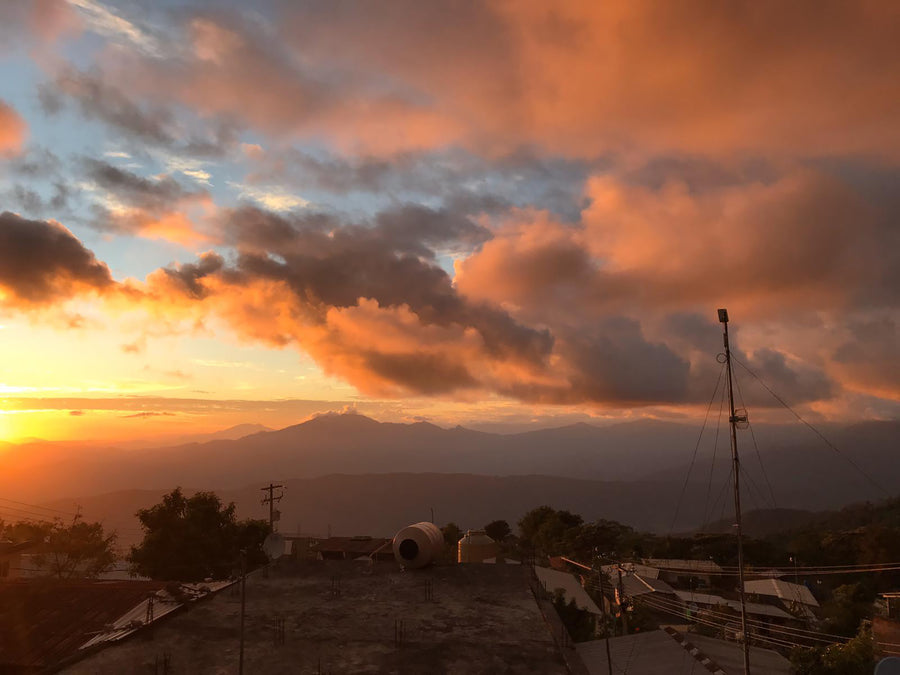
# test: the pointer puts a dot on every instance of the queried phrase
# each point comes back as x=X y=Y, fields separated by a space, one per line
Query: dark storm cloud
x=98 y=99
x=188 y=277
x=142 y=122
x=137 y=191
x=41 y=262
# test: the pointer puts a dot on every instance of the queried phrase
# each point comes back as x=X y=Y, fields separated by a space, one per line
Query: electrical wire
x=712 y=464
x=696 y=448
x=818 y=433
x=37 y=506
x=762 y=467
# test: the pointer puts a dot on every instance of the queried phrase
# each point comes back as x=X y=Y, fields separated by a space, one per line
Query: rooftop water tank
x=418 y=545
x=476 y=547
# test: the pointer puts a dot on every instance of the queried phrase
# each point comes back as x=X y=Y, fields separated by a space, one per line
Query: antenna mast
x=734 y=419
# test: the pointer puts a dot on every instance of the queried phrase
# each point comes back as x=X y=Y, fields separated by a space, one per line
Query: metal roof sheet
x=572 y=588
x=783 y=590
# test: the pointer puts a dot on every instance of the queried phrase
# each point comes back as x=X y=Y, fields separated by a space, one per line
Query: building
x=687 y=573
x=795 y=598
x=336 y=616
x=45 y=623
x=13 y=559
x=553 y=580
x=668 y=652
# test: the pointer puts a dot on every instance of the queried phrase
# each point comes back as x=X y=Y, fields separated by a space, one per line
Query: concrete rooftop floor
x=342 y=617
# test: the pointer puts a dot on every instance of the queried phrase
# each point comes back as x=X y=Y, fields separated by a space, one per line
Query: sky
x=491 y=213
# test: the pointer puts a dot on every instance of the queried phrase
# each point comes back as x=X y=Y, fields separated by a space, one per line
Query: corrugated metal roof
x=712 y=600
x=7 y=547
x=45 y=622
x=650 y=653
x=660 y=653
x=681 y=565
x=730 y=657
x=571 y=586
x=636 y=584
x=783 y=590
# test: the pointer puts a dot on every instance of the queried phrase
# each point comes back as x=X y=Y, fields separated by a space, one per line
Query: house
x=669 y=652
x=45 y=624
x=13 y=559
x=687 y=573
x=553 y=580
x=795 y=598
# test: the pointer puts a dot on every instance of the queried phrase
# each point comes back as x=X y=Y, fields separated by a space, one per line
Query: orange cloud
x=804 y=240
x=582 y=79
x=13 y=130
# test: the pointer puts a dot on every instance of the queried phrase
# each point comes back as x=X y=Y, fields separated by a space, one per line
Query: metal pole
x=605 y=622
x=243 y=606
x=736 y=462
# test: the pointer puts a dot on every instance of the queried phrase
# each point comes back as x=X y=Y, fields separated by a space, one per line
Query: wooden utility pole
x=623 y=605
x=270 y=500
x=734 y=420
x=243 y=606
x=603 y=610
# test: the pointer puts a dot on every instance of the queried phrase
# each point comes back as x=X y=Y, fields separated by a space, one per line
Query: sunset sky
x=481 y=213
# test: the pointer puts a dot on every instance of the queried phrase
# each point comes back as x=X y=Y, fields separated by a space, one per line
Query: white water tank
x=476 y=547
x=418 y=545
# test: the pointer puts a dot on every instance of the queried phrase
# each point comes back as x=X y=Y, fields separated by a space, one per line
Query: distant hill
x=803 y=473
x=765 y=522
x=344 y=443
x=380 y=504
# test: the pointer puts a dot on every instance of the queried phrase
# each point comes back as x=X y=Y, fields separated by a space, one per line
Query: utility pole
x=623 y=605
x=603 y=610
x=243 y=606
x=270 y=500
x=734 y=420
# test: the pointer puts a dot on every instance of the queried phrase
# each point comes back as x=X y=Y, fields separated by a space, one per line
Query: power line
x=37 y=506
x=712 y=463
x=818 y=433
x=762 y=467
x=696 y=447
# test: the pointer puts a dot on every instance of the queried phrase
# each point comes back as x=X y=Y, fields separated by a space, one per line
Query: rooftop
x=660 y=652
x=680 y=565
x=713 y=600
x=345 y=616
x=570 y=585
x=783 y=590
x=43 y=623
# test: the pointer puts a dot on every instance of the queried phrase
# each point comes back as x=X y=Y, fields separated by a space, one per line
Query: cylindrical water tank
x=418 y=545
x=476 y=547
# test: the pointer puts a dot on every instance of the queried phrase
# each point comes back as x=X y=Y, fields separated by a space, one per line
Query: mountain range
x=363 y=476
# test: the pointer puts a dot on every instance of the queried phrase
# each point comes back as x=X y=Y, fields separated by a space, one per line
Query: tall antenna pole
x=734 y=419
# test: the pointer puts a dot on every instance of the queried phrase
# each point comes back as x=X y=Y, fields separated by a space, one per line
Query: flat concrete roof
x=343 y=617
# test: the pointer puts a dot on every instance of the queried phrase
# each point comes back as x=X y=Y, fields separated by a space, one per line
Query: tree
x=578 y=622
x=549 y=531
x=66 y=551
x=78 y=550
x=452 y=534
x=498 y=530
x=194 y=538
x=856 y=657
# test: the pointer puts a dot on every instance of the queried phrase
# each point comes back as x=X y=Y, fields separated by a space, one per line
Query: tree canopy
x=80 y=549
x=498 y=530
x=194 y=538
